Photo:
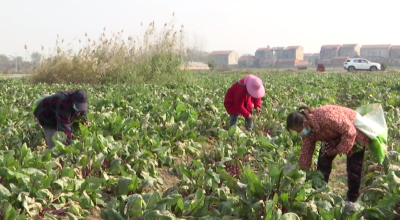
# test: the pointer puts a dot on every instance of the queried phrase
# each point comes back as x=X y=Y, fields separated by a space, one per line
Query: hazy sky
x=243 y=26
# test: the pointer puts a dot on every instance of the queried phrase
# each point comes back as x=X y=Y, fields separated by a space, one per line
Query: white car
x=360 y=64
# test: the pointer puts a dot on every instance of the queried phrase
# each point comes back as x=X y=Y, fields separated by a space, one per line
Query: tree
x=4 y=62
x=212 y=64
x=35 y=57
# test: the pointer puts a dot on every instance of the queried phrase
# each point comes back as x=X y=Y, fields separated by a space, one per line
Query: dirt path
x=13 y=75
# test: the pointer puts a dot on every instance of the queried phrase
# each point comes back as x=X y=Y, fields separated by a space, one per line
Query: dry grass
x=155 y=57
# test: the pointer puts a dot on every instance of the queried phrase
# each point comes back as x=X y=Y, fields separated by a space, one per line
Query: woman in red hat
x=242 y=97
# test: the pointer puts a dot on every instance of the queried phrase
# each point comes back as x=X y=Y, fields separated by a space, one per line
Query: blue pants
x=248 y=122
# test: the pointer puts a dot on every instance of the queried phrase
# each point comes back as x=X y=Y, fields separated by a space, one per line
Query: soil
x=169 y=180
x=94 y=214
x=338 y=178
x=172 y=180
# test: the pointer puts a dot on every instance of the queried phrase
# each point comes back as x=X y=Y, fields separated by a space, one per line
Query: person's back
x=229 y=101
x=47 y=110
x=330 y=112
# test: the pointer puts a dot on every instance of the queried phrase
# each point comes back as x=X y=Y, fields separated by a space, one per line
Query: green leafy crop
x=166 y=152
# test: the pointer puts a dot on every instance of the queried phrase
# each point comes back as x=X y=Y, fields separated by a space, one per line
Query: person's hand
x=67 y=142
x=258 y=110
x=332 y=151
x=87 y=123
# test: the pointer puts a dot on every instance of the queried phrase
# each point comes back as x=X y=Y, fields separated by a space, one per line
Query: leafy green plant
x=384 y=66
x=146 y=135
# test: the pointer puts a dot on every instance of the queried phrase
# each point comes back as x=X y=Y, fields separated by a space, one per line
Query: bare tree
x=197 y=49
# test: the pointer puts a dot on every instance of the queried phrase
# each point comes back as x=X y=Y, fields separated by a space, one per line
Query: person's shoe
x=350 y=199
x=249 y=124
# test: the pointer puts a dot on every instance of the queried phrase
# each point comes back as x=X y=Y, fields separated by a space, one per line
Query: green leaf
x=288 y=169
x=393 y=178
x=149 y=182
x=223 y=134
x=290 y=216
x=154 y=198
x=301 y=195
x=253 y=181
x=337 y=212
x=110 y=214
x=29 y=204
x=86 y=201
x=299 y=208
x=45 y=194
x=231 y=182
x=173 y=200
x=74 y=208
x=159 y=215
x=285 y=198
x=179 y=108
x=4 y=192
x=9 y=212
x=269 y=210
x=273 y=170
x=275 y=199
x=374 y=213
x=126 y=185
x=195 y=204
x=134 y=205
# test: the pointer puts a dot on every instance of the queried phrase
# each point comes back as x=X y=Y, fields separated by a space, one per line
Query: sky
x=242 y=26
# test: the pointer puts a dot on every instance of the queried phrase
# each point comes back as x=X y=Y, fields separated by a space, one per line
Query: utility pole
x=16 y=63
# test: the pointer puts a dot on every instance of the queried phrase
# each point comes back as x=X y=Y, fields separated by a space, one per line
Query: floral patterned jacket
x=329 y=123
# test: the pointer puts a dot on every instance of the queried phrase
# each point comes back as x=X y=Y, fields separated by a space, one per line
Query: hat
x=254 y=86
x=80 y=99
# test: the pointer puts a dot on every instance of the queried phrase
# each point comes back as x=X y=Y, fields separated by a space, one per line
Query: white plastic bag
x=371 y=121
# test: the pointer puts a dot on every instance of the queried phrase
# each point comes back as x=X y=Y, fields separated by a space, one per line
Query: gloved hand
x=67 y=142
x=330 y=147
x=87 y=123
x=332 y=151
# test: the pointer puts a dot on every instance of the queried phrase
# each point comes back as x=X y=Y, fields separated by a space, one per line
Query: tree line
x=18 y=63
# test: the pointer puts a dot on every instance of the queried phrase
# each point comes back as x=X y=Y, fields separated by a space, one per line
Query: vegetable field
x=165 y=152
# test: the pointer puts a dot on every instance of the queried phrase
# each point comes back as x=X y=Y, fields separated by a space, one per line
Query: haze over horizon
x=215 y=25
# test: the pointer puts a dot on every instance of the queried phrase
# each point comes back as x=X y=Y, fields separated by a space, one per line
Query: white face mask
x=76 y=109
